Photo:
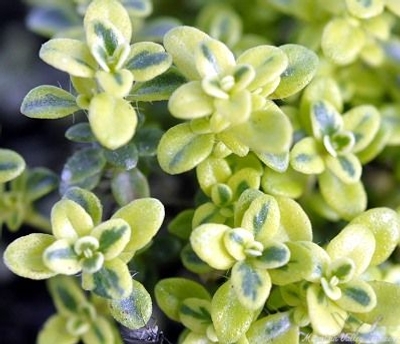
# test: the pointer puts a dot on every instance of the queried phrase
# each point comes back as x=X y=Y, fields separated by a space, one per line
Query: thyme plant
x=277 y=112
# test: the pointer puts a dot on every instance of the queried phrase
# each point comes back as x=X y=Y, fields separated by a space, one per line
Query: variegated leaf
x=384 y=223
x=24 y=256
x=305 y=157
x=135 y=310
x=11 y=165
x=327 y=319
x=301 y=67
x=295 y=224
x=208 y=213
x=147 y=60
x=195 y=315
x=266 y=131
x=113 y=235
x=144 y=217
x=213 y=58
x=363 y=121
x=268 y=61
x=365 y=8
x=274 y=255
x=87 y=200
x=61 y=258
x=69 y=55
x=356 y=242
x=111 y=12
x=67 y=294
x=180 y=149
x=48 y=102
x=182 y=42
x=102 y=331
x=252 y=286
x=276 y=328
x=307 y=261
x=118 y=84
x=262 y=218
x=189 y=101
x=346 y=167
x=171 y=292
x=347 y=200
x=112 y=281
x=357 y=297
x=69 y=220
x=207 y=241
x=231 y=320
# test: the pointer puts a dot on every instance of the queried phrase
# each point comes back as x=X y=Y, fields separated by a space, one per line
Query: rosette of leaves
x=223 y=181
x=358 y=32
x=103 y=69
x=82 y=244
x=255 y=245
x=77 y=318
x=227 y=100
x=335 y=291
x=18 y=197
x=332 y=153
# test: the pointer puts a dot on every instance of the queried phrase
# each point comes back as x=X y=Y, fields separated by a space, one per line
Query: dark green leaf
x=135 y=310
x=83 y=169
x=125 y=157
x=129 y=185
x=80 y=132
x=40 y=182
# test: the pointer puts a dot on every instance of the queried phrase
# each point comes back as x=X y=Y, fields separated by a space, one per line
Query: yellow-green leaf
x=302 y=65
x=365 y=8
x=69 y=220
x=268 y=61
x=182 y=42
x=384 y=223
x=305 y=157
x=11 y=165
x=113 y=120
x=189 y=101
x=342 y=41
x=61 y=258
x=69 y=55
x=24 y=256
x=276 y=328
x=230 y=319
x=171 y=292
x=327 y=319
x=348 y=200
x=207 y=241
x=117 y=84
x=144 y=217
x=266 y=131
x=180 y=149
x=356 y=242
